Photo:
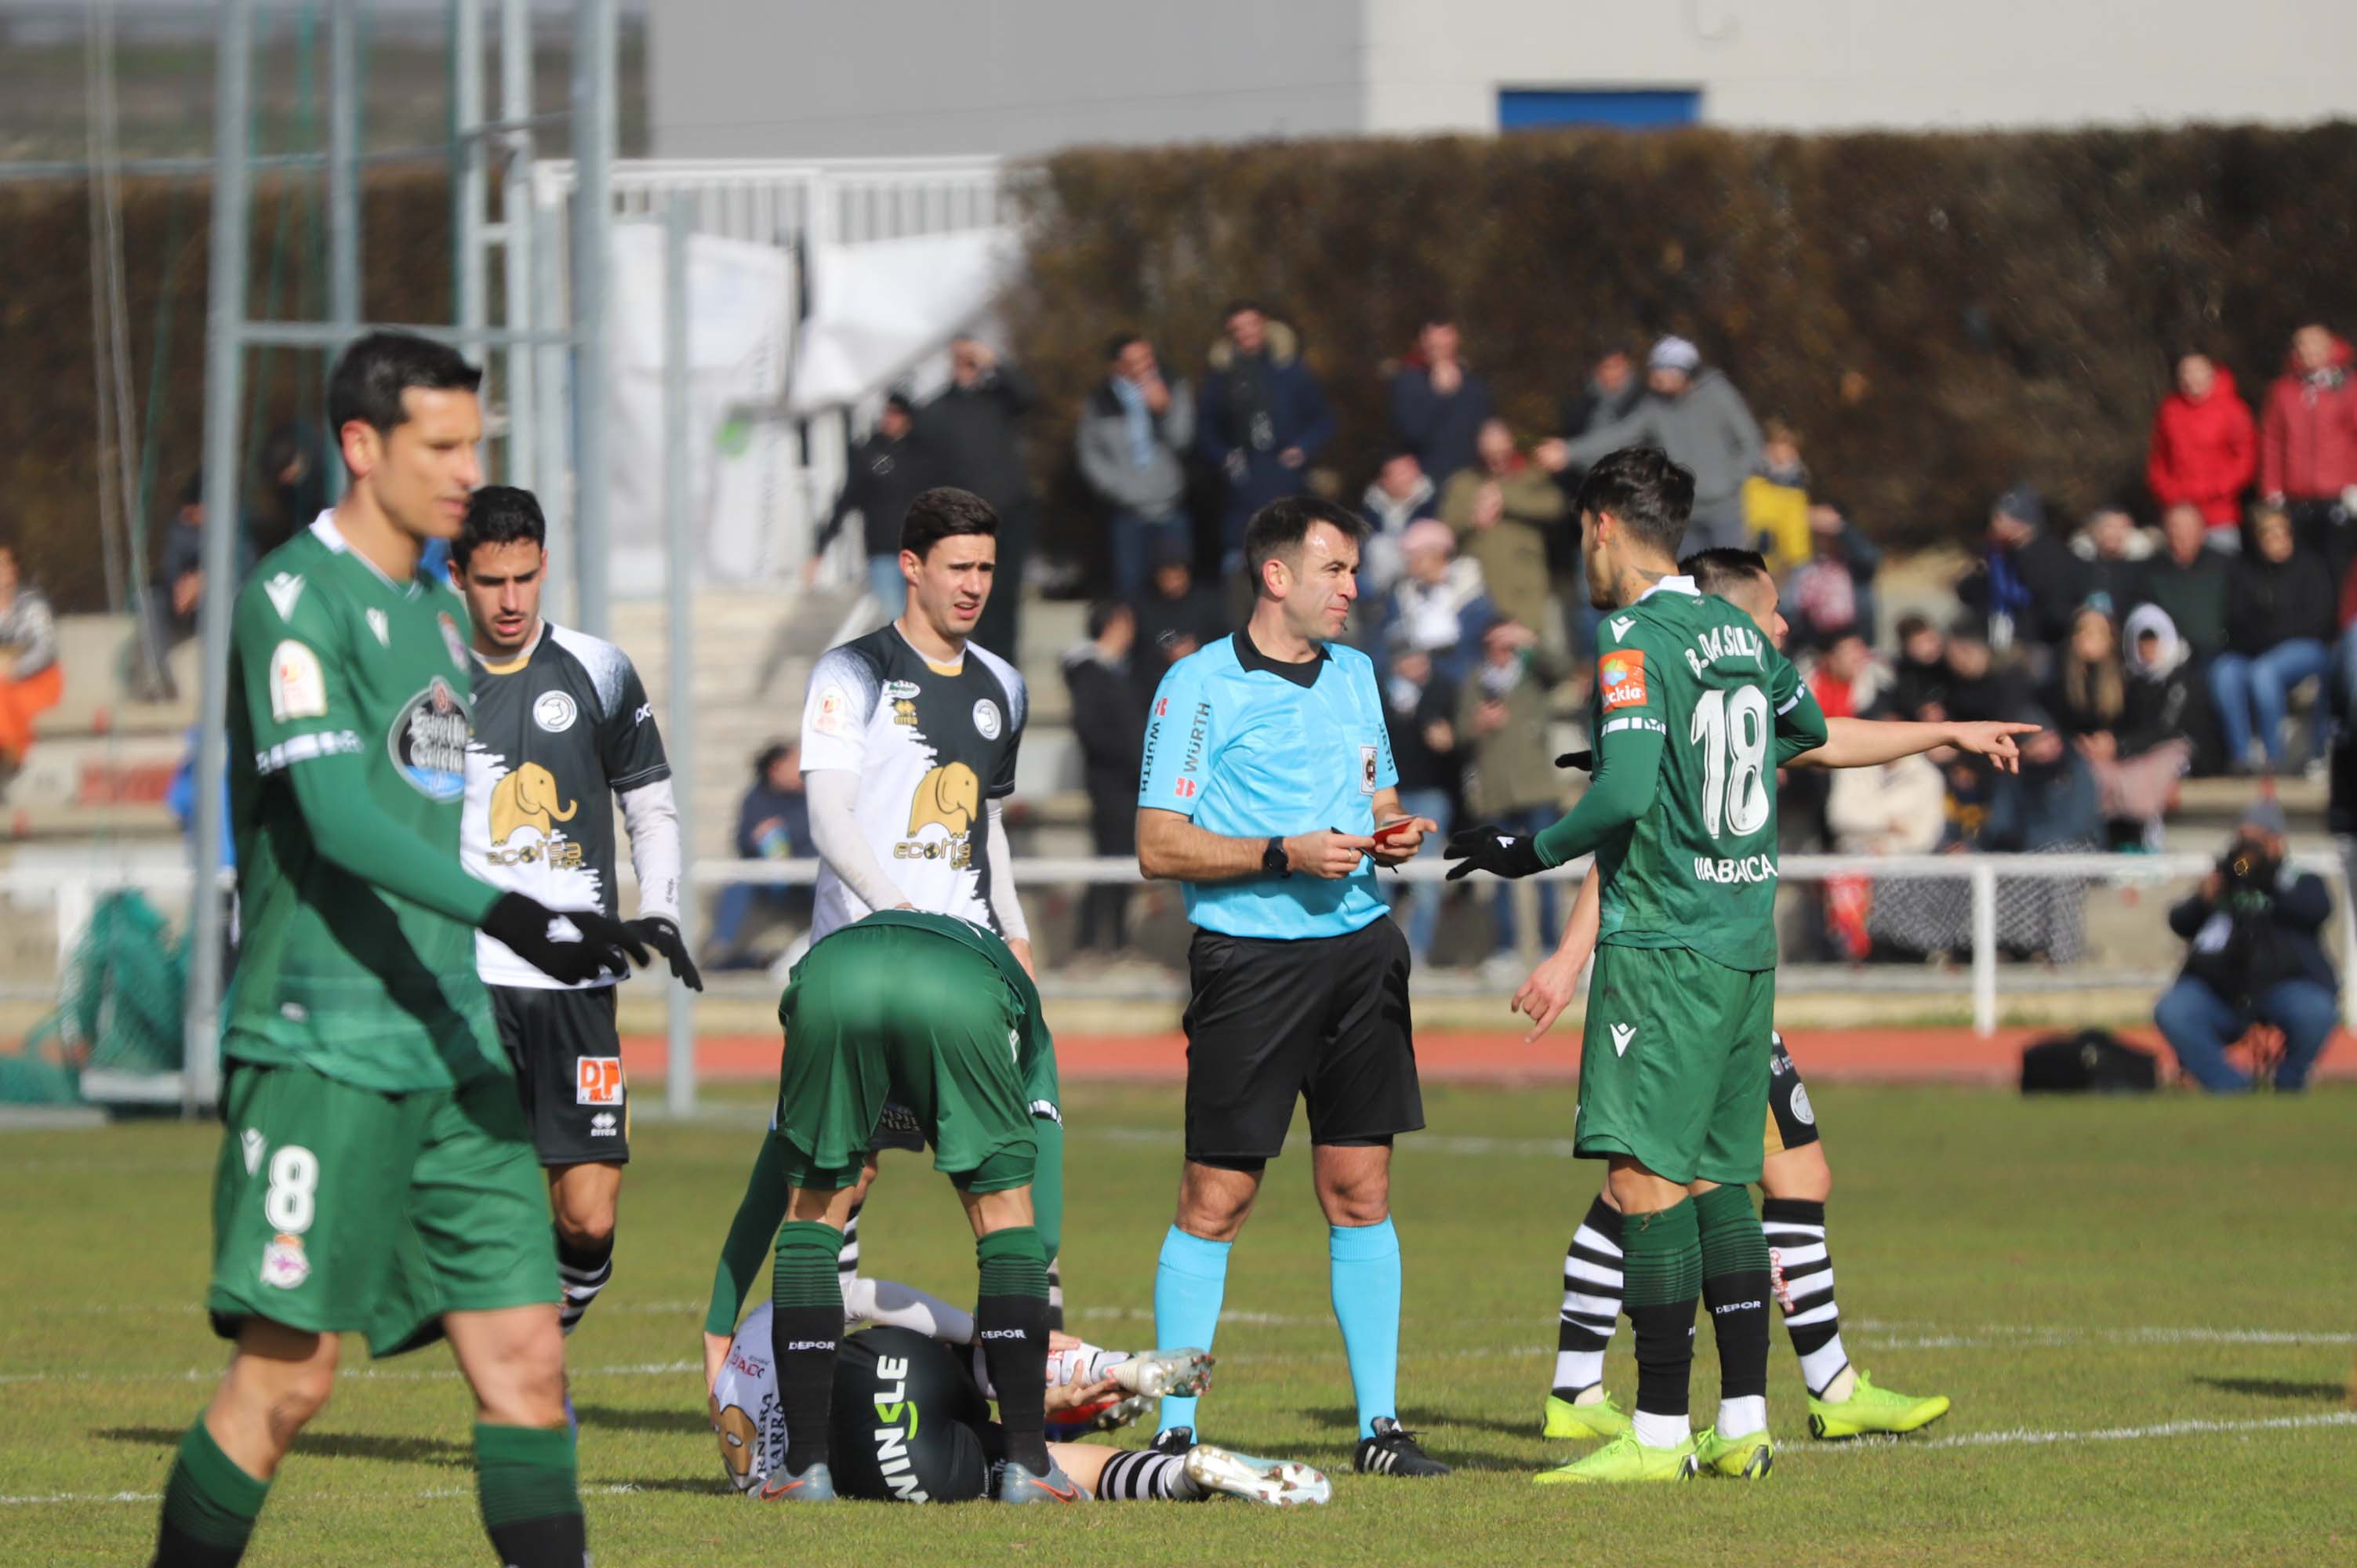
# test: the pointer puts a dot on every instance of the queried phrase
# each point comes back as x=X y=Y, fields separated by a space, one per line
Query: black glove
x=607 y=947
x=1493 y=850
x=662 y=933
x=1585 y=761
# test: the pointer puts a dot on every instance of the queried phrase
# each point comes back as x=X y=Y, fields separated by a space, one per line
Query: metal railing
x=72 y=894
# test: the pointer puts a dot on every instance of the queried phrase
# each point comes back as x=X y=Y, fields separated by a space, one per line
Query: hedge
x=49 y=456
x=1940 y=316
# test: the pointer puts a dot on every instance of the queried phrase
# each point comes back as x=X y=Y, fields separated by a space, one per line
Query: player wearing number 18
x=376 y=1174
x=1691 y=702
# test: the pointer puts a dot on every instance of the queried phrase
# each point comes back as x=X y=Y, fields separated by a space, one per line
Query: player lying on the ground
x=1795 y=1178
x=911 y=1423
x=1141 y=1377
x=936 y=1014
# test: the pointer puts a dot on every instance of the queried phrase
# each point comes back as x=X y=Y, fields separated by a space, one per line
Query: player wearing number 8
x=1691 y=702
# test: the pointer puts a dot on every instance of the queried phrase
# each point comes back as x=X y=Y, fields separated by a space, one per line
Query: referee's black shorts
x=1325 y=1018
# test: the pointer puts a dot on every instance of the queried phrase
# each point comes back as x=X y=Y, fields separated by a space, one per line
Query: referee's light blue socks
x=1365 y=1264
x=1189 y=1282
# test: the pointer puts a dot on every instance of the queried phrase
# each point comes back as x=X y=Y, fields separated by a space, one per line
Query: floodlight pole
x=594 y=140
x=343 y=202
x=679 y=583
x=224 y=377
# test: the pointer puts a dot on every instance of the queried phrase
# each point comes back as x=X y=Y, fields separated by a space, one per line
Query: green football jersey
x=1698 y=869
x=348 y=724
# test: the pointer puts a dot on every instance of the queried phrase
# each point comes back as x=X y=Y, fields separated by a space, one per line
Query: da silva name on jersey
x=1729 y=645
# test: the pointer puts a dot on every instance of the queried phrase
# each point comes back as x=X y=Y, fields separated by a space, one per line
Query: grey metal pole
x=225 y=394
x=343 y=187
x=594 y=138
x=515 y=251
x=468 y=185
x=556 y=494
x=679 y=583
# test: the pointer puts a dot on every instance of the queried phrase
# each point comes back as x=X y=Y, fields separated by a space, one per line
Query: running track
x=1887 y=1055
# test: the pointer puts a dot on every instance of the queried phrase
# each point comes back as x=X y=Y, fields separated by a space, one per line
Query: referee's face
x=1319 y=589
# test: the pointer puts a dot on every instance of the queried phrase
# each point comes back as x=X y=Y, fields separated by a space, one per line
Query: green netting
x=118 y=1009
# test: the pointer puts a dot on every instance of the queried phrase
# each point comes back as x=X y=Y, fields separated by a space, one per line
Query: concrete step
x=91 y=770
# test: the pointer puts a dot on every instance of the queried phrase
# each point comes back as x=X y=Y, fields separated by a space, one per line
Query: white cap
x=1674 y=354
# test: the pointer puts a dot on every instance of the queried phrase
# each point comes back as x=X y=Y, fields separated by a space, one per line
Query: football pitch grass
x=2142 y=1307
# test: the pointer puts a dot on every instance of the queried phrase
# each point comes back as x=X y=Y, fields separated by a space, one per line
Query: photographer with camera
x=2255 y=958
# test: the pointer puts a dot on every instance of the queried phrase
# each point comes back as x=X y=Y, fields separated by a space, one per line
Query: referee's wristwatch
x=1273 y=860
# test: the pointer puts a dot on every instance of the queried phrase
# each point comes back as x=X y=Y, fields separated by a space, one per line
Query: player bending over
x=1795 y=1180
x=911 y=1423
x=376 y=1174
x=936 y=1014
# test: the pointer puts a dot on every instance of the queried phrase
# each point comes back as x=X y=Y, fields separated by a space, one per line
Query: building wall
x=878 y=78
x=1840 y=64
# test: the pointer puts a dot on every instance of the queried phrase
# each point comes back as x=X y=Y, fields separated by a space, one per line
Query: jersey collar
x=1672 y=585
x=523 y=655
x=956 y=668
x=1304 y=674
x=324 y=528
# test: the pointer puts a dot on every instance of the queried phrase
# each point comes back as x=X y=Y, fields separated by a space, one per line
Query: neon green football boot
x=1737 y=1458
x=1869 y=1409
x=1596 y=1418
x=1625 y=1459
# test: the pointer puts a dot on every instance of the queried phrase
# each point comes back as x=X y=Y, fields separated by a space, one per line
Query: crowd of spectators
x=2200 y=627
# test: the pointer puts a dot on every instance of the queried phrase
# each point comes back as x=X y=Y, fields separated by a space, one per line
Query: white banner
x=738 y=332
x=881 y=306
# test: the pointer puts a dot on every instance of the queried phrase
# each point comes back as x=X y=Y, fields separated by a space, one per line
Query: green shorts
x=343 y=1210
x=896 y=1013
x=1673 y=1064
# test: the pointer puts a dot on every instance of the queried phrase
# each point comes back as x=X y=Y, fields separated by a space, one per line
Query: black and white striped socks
x=1144 y=1476
x=582 y=1271
x=1800 y=1272
x=1591 y=1301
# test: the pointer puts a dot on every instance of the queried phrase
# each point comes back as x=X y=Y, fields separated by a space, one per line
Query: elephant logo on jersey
x=740 y=1442
x=949 y=797
x=528 y=798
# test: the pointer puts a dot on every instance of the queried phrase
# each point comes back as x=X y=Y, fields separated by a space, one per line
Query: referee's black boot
x=1392 y=1451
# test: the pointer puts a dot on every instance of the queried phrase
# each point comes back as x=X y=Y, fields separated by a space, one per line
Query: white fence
x=72 y=896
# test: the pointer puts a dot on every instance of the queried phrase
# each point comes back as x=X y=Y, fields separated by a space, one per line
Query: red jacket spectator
x=2204 y=445
x=2307 y=444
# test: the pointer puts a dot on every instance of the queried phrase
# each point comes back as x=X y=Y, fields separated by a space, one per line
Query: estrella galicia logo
x=428 y=742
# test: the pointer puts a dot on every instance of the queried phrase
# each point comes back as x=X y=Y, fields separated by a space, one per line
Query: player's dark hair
x=1119 y=340
x=942 y=511
x=1644 y=491
x=193 y=492
x=499 y=514
x=370 y=376
x=1238 y=307
x=1278 y=529
x=1718 y=570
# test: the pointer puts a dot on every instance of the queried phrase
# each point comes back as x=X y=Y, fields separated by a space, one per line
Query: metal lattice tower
x=541 y=347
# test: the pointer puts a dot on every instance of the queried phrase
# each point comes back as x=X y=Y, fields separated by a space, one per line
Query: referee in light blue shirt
x=1267 y=778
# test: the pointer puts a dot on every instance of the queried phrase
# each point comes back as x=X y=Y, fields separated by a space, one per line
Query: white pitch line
x=2012 y=1437
x=2029 y=1435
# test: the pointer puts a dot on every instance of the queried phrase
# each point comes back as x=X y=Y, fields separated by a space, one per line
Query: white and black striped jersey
x=931 y=742
x=558 y=730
